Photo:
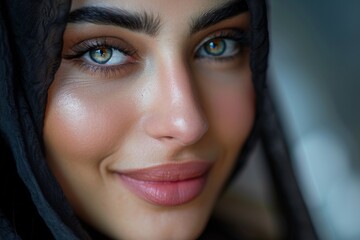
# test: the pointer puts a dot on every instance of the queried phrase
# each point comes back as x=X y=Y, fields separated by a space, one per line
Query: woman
x=125 y=119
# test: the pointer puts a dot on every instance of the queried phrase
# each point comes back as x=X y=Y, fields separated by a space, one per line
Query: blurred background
x=314 y=77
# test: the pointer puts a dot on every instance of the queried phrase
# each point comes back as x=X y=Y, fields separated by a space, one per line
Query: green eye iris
x=215 y=47
x=101 y=55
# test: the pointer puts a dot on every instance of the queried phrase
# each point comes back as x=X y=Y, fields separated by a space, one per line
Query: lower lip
x=166 y=193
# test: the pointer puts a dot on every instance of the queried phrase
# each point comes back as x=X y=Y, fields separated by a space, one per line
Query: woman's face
x=150 y=106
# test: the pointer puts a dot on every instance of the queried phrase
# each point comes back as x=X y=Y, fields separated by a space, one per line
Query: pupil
x=101 y=55
x=102 y=52
x=216 y=47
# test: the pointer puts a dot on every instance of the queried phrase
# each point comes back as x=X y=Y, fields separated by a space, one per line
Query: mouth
x=169 y=184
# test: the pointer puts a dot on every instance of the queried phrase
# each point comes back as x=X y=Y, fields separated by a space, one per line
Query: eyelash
x=78 y=52
x=81 y=49
x=237 y=37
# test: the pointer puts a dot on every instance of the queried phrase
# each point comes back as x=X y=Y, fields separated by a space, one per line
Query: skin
x=166 y=107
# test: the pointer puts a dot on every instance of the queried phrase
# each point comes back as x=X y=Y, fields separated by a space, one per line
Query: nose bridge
x=182 y=93
x=180 y=116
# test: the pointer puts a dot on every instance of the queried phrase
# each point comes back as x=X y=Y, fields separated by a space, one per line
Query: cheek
x=233 y=110
x=77 y=125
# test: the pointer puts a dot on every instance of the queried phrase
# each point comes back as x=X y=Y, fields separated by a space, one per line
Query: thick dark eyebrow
x=218 y=14
x=140 y=22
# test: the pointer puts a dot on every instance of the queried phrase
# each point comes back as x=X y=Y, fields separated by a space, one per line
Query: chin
x=174 y=230
x=152 y=222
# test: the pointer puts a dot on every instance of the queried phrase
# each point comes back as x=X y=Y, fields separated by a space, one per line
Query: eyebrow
x=218 y=14
x=149 y=23
x=135 y=21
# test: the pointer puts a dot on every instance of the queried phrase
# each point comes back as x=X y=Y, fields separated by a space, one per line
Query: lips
x=168 y=185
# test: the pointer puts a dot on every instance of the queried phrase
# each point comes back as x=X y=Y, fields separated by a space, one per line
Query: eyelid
x=238 y=35
x=76 y=53
x=82 y=47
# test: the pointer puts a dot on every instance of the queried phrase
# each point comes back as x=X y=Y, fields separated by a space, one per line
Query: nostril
x=168 y=137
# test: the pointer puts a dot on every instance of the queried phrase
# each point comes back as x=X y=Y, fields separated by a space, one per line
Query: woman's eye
x=219 y=48
x=105 y=55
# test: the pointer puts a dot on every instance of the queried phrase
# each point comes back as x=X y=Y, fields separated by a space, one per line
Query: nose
x=176 y=114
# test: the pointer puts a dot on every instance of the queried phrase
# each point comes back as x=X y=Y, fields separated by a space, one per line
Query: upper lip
x=169 y=172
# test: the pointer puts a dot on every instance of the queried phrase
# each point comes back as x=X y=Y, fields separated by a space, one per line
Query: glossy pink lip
x=168 y=185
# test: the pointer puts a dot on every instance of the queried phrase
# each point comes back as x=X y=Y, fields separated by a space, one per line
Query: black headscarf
x=32 y=204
